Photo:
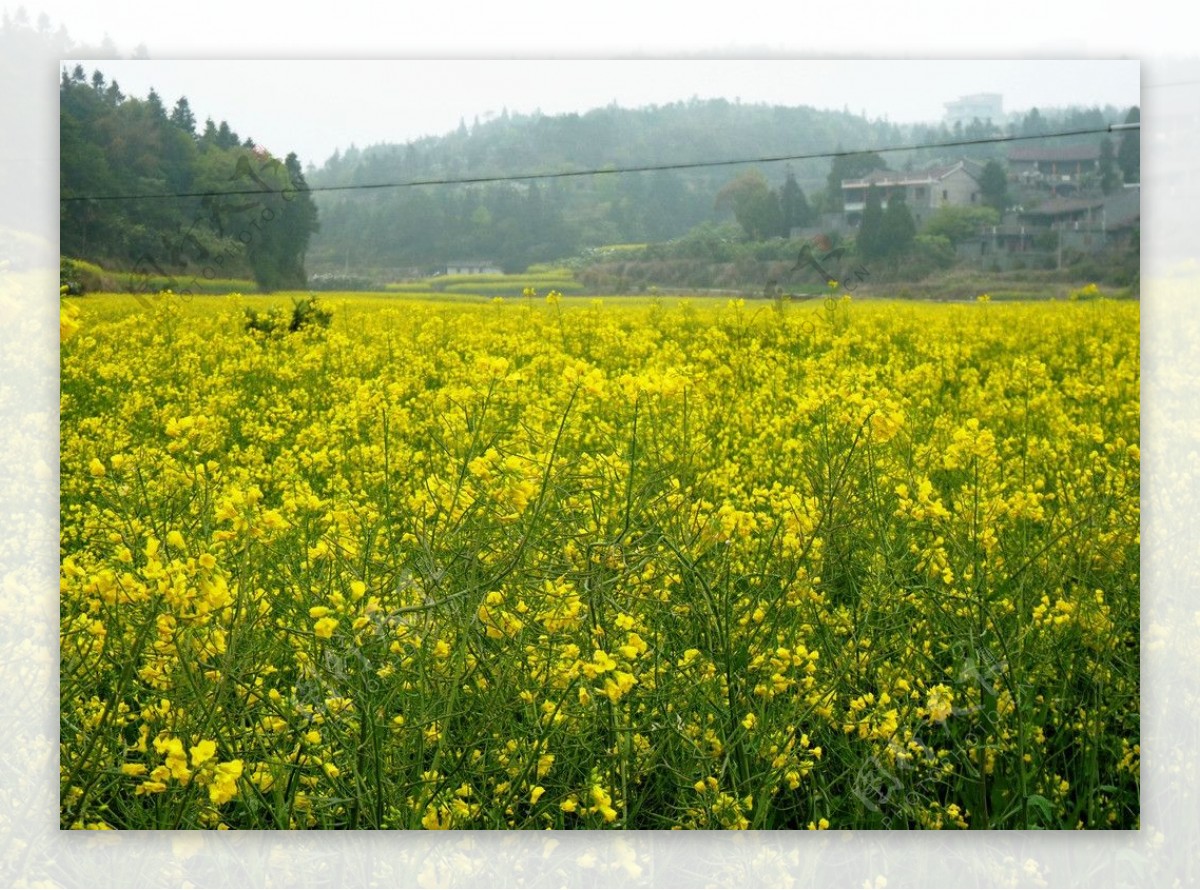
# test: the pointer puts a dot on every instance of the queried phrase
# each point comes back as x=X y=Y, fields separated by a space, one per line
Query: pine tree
x=993 y=186
x=793 y=205
x=182 y=116
x=226 y=137
x=869 y=241
x=1033 y=124
x=1110 y=180
x=1129 y=155
x=898 y=229
x=154 y=102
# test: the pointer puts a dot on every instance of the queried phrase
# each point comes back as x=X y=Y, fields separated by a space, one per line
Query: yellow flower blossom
x=223 y=787
x=203 y=752
x=939 y=703
x=325 y=627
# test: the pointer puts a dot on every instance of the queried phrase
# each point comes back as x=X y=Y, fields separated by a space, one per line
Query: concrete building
x=1060 y=169
x=472 y=267
x=956 y=185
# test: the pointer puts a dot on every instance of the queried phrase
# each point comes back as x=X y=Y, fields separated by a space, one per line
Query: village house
x=1010 y=244
x=1062 y=169
x=471 y=267
x=924 y=191
x=1060 y=212
x=1038 y=236
x=1089 y=225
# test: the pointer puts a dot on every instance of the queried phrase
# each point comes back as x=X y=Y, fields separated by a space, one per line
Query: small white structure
x=473 y=267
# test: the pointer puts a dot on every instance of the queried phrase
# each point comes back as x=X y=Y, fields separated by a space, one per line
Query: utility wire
x=644 y=168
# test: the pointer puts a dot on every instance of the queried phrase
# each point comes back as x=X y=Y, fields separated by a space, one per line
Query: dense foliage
x=515 y=223
x=113 y=146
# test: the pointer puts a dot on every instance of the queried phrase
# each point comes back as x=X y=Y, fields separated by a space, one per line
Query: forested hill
x=518 y=222
x=514 y=223
x=114 y=148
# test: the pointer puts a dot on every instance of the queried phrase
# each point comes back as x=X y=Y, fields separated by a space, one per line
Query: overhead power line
x=642 y=168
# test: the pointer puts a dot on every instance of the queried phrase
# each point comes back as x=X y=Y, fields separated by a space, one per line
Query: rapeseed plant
x=590 y=565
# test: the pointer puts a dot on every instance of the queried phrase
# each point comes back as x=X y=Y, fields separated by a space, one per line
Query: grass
x=542 y=279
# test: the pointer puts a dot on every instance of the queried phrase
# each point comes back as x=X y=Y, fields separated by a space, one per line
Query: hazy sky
x=314 y=107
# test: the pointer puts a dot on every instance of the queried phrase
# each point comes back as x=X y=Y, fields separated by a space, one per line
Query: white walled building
x=924 y=190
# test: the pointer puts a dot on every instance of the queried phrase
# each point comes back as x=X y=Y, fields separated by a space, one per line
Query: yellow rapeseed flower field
x=613 y=563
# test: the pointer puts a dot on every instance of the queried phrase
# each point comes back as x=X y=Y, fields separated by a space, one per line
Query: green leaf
x=1042 y=806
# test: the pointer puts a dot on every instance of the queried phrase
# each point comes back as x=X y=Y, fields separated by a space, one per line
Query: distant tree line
x=524 y=221
x=516 y=223
x=113 y=145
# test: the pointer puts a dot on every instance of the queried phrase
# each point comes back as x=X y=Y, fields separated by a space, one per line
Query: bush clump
x=307 y=314
x=78 y=277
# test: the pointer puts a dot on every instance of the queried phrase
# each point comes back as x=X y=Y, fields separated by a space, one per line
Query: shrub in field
x=79 y=277
x=307 y=313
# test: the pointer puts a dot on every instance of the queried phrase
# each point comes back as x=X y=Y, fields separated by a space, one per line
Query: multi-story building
x=1061 y=169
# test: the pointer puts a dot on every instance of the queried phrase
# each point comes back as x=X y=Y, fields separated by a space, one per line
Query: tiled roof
x=975 y=168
